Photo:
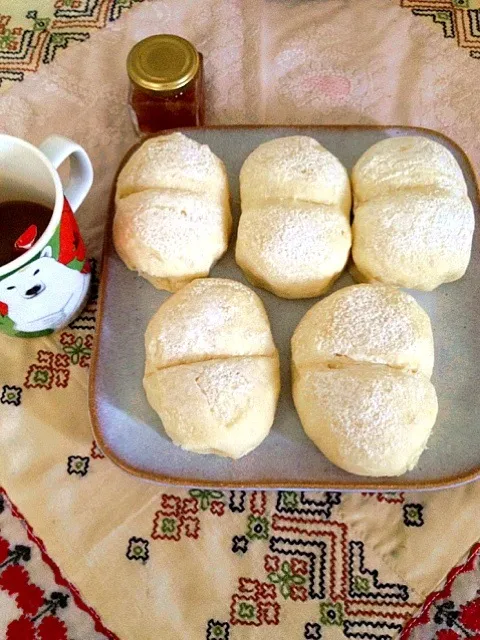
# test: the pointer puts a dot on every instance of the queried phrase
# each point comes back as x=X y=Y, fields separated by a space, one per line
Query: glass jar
x=166 y=84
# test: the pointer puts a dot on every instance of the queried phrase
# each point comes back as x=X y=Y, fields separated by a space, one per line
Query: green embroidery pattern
x=30 y=38
x=461 y=21
x=286 y=579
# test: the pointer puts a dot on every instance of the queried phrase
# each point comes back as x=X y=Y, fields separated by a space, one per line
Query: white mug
x=43 y=289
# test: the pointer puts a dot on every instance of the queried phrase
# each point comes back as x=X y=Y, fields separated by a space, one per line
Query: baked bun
x=294 y=232
x=413 y=221
x=172 y=214
x=212 y=369
x=361 y=365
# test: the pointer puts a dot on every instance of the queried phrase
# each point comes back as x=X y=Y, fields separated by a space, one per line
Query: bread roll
x=361 y=365
x=413 y=221
x=212 y=369
x=294 y=232
x=367 y=419
x=172 y=216
x=174 y=162
x=295 y=168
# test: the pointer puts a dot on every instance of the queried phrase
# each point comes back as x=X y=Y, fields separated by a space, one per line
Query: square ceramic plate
x=131 y=434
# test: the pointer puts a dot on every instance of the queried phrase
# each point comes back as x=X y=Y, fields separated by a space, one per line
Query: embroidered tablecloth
x=89 y=552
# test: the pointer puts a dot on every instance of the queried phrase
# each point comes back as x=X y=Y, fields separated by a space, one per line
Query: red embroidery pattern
x=175 y=517
x=24 y=628
x=254 y=604
x=24 y=49
x=95 y=451
x=311 y=557
x=258 y=502
x=440 y=609
x=388 y=497
x=217 y=507
x=38 y=607
x=16 y=582
x=52 y=370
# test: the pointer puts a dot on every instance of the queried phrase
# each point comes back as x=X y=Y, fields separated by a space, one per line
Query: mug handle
x=58 y=149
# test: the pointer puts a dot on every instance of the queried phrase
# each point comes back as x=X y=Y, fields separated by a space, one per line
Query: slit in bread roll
x=361 y=365
x=172 y=214
x=294 y=232
x=413 y=221
x=212 y=369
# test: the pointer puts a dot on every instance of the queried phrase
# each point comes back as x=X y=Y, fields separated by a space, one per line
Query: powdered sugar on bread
x=172 y=218
x=294 y=232
x=173 y=162
x=361 y=363
x=212 y=369
x=406 y=162
x=296 y=168
x=373 y=418
x=366 y=323
x=209 y=318
x=416 y=240
x=293 y=248
x=413 y=221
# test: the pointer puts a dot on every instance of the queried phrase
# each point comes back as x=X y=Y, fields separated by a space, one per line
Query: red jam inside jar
x=166 y=84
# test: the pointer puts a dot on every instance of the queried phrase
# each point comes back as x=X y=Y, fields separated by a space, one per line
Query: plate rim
x=356 y=485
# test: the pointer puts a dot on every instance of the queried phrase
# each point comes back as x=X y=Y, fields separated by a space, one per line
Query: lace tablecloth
x=98 y=553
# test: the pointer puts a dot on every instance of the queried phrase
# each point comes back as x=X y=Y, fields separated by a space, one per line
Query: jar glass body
x=153 y=111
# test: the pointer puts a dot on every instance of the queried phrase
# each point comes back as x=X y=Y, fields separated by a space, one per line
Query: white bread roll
x=224 y=407
x=212 y=370
x=292 y=249
x=413 y=221
x=413 y=240
x=294 y=232
x=169 y=237
x=361 y=365
x=174 y=161
x=172 y=215
x=295 y=168
x=364 y=323
x=406 y=162
x=367 y=419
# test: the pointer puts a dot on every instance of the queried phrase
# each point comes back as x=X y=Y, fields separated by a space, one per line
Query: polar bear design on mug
x=44 y=271
x=42 y=295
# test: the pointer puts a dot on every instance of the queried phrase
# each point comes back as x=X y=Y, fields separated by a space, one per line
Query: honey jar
x=166 y=84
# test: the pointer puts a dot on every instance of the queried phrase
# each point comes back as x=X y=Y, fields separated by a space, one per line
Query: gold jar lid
x=163 y=63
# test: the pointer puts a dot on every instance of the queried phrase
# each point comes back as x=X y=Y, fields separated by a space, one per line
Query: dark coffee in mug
x=21 y=224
